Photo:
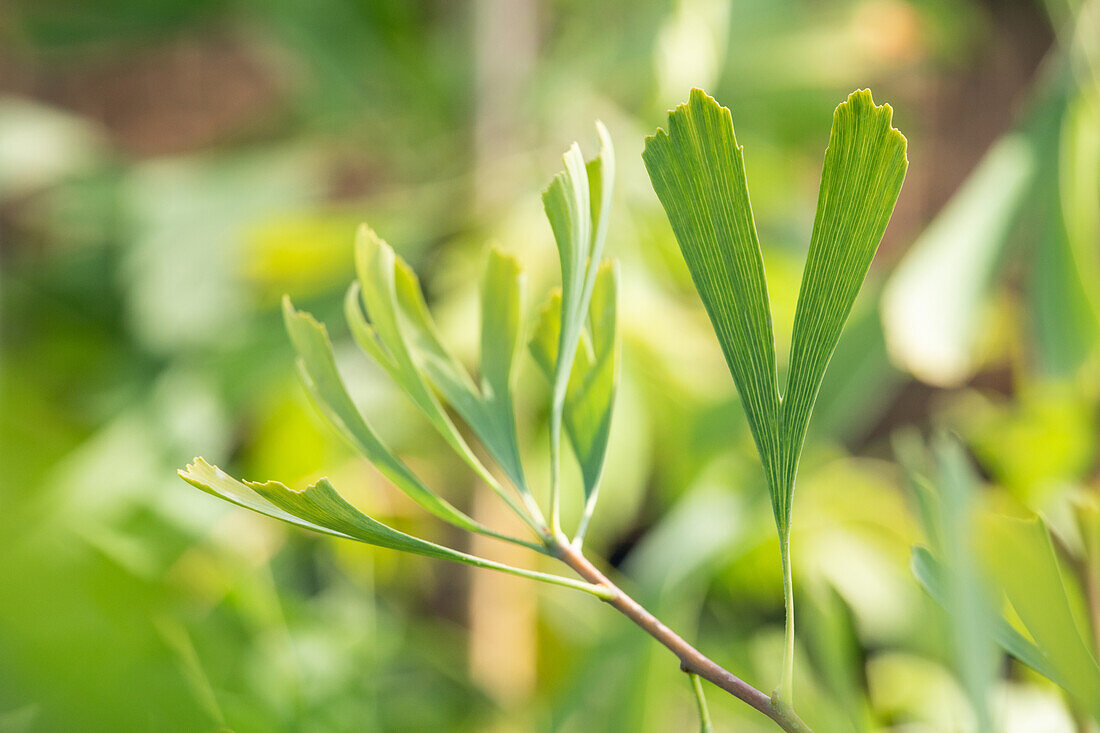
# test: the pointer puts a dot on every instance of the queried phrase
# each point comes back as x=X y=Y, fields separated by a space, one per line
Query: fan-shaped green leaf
x=861 y=178
x=321 y=508
x=698 y=171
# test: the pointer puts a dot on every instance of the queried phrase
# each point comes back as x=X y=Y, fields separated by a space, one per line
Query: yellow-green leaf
x=317 y=367
x=320 y=508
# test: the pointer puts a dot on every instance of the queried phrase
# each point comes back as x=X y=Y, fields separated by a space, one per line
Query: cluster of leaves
x=698 y=172
x=574 y=341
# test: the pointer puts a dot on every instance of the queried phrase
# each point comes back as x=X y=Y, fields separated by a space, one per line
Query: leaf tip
x=605 y=137
x=861 y=103
x=288 y=307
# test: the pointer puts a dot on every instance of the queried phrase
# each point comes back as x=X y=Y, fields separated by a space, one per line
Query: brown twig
x=691 y=659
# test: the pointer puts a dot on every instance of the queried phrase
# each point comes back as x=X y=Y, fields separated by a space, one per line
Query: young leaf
x=379 y=275
x=501 y=323
x=591 y=391
x=317 y=367
x=321 y=508
x=403 y=338
x=698 y=171
x=577 y=204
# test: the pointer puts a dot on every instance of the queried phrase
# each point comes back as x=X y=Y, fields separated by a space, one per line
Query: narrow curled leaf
x=501 y=325
x=320 y=508
x=380 y=276
x=317 y=367
x=590 y=394
x=577 y=204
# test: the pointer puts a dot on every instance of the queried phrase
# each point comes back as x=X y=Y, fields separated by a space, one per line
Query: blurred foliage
x=168 y=169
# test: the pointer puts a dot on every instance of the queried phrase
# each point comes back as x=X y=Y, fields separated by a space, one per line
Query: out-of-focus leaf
x=302 y=253
x=949 y=523
x=42 y=146
x=321 y=508
x=1021 y=559
x=834 y=645
x=1079 y=186
x=930 y=572
x=1086 y=510
x=698 y=172
x=911 y=454
x=317 y=367
x=1061 y=311
x=591 y=393
x=1036 y=444
x=501 y=324
x=933 y=302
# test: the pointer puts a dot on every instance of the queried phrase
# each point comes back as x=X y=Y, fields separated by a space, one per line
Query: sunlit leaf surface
x=317 y=367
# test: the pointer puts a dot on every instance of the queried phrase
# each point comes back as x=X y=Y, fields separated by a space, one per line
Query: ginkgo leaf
x=1022 y=562
x=403 y=337
x=861 y=178
x=577 y=204
x=501 y=326
x=591 y=391
x=698 y=171
x=320 y=508
x=930 y=573
x=317 y=368
x=381 y=277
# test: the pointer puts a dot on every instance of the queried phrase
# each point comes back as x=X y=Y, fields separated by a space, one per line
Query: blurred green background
x=169 y=168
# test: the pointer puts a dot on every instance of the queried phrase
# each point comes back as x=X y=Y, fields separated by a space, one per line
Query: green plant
x=698 y=173
x=978 y=563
